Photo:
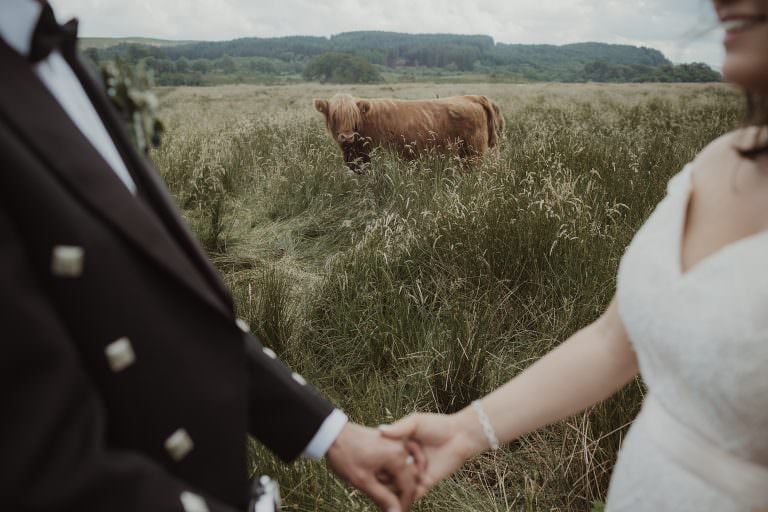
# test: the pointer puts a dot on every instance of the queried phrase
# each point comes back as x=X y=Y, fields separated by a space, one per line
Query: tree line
x=366 y=56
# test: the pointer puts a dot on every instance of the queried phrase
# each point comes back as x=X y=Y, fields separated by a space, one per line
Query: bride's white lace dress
x=701 y=339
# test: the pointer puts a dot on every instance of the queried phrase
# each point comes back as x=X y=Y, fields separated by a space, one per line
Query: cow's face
x=343 y=119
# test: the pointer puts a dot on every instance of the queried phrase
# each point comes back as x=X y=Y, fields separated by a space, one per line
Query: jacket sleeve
x=52 y=431
x=285 y=411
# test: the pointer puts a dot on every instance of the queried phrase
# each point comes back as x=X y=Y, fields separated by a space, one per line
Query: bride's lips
x=737 y=24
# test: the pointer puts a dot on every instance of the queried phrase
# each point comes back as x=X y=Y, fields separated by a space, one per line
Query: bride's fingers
x=418 y=456
x=422 y=490
x=401 y=429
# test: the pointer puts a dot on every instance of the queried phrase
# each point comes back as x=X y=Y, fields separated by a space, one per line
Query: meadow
x=422 y=285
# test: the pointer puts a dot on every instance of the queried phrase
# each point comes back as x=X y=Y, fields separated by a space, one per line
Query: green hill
x=399 y=56
x=107 y=42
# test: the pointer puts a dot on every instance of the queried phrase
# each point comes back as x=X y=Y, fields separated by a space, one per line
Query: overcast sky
x=683 y=29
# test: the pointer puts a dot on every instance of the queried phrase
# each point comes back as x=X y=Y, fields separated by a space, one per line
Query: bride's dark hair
x=757 y=115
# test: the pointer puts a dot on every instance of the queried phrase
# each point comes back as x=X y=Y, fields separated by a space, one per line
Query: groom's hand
x=446 y=442
x=365 y=459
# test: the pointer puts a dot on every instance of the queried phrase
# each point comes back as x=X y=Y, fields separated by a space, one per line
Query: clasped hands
x=399 y=463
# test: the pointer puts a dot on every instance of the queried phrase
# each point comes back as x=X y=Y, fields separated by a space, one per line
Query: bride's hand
x=446 y=442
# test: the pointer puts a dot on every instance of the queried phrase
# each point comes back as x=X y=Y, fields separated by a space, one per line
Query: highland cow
x=465 y=126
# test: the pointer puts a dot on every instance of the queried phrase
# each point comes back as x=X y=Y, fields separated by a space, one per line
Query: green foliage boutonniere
x=129 y=88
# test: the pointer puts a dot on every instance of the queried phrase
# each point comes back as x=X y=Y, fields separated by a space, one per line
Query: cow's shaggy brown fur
x=466 y=126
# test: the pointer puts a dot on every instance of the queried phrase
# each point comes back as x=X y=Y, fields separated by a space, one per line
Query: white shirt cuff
x=326 y=435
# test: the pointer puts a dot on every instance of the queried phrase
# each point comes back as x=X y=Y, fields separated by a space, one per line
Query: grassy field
x=422 y=286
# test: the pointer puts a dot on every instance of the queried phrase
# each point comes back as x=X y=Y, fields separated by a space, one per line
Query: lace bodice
x=701 y=339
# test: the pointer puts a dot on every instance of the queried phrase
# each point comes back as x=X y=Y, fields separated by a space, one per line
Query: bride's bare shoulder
x=727 y=145
x=724 y=150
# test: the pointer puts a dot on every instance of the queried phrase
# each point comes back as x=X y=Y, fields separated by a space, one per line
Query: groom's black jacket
x=86 y=425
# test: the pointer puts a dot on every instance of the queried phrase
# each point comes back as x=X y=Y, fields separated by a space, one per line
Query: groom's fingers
x=381 y=495
x=384 y=477
x=405 y=477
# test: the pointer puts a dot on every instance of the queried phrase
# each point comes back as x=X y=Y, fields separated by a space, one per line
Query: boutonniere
x=130 y=90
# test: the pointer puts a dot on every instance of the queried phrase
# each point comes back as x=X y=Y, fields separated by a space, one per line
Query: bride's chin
x=749 y=79
x=747 y=70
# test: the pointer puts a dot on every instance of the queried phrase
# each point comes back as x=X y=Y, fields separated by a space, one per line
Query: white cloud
x=674 y=27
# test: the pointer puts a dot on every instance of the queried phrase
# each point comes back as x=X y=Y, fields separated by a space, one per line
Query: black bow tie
x=49 y=36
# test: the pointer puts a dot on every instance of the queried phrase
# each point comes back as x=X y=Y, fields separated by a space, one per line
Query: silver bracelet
x=485 y=422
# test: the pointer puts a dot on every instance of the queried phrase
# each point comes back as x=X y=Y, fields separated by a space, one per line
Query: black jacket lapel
x=37 y=116
x=148 y=179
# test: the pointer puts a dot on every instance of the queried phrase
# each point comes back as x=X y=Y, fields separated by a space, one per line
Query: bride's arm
x=585 y=369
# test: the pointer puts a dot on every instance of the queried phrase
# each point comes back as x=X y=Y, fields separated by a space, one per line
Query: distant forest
x=360 y=57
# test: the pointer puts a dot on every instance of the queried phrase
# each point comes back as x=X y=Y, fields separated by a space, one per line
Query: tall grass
x=423 y=285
